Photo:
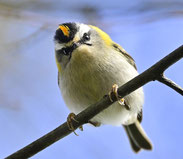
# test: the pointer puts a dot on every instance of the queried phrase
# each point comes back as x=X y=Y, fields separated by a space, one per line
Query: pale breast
x=85 y=83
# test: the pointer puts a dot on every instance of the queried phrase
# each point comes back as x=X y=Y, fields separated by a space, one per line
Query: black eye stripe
x=67 y=50
x=64 y=51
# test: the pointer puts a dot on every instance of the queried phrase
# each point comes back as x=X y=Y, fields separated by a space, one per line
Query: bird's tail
x=137 y=137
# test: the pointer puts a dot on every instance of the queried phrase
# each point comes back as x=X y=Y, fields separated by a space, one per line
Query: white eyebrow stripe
x=83 y=29
x=58 y=46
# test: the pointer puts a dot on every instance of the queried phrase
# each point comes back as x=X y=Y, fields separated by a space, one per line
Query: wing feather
x=126 y=55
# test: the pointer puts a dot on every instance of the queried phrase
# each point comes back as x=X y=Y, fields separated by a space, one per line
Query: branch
x=151 y=74
x=170 y=83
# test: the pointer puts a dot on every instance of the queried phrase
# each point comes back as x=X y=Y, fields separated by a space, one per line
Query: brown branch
x=151 y=74
x=170 y=83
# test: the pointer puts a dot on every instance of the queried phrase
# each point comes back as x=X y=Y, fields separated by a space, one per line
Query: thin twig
x=150 y=74
x=170 y=83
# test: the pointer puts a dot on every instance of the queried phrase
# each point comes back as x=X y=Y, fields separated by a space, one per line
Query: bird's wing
x=126 y=55
x=131 y=61
x=139 y=116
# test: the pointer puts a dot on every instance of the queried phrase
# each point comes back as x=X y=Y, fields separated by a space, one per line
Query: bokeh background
x=30 y=100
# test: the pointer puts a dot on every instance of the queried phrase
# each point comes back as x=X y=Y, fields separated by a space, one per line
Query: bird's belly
x=87 y=87
x=117 y=114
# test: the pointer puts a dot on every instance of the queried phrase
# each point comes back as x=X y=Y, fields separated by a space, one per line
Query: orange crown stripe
x=65 y=30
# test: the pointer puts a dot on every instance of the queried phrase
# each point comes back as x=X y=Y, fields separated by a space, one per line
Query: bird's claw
x=120 y=100
x=70 y=120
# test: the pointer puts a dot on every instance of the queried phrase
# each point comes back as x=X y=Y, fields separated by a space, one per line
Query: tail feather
x=134 y=146
x=137 y=136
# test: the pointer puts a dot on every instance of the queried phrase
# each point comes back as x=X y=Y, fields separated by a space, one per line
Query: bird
x=90 y=65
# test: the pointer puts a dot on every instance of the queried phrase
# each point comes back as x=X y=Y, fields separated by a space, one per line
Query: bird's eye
x=86 y=36
x=64 y=51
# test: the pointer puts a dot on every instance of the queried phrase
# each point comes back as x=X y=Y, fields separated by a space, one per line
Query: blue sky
x=30 y=100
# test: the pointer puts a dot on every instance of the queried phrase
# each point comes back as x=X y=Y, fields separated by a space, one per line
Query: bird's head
x=78 y=43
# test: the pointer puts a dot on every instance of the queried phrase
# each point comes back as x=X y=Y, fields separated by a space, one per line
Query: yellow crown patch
x=65 y=29
x=103 y=35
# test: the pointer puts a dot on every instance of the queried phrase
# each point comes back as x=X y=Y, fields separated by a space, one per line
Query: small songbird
x=89 y=65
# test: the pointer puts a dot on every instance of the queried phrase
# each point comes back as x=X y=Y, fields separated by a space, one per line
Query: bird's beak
x=75 y=45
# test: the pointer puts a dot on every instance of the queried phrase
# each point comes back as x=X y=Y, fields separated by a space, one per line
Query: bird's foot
x=120 y=100
x=96 y=124
x=70 y=120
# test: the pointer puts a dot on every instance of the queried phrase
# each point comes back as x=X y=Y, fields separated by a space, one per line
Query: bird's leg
x=70 y=120
x=120 y=100
x=96 y=124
